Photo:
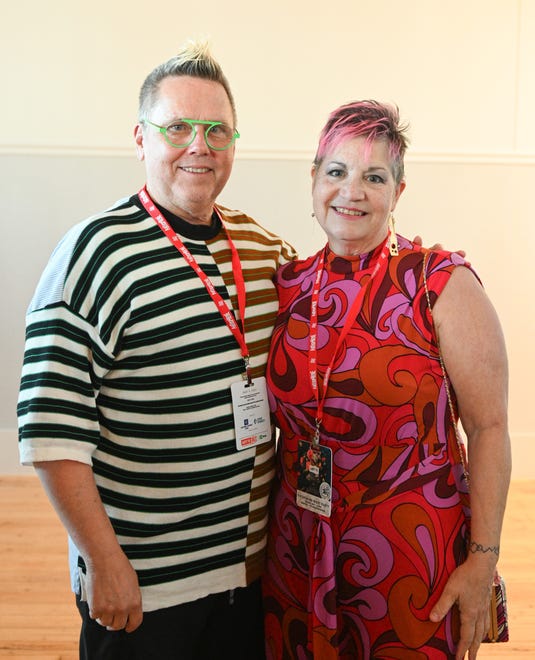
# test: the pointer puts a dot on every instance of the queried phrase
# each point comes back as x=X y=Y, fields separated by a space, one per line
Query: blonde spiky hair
x=193 y=59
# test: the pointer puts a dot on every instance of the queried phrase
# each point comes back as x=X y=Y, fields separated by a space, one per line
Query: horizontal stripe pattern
x=128 y=367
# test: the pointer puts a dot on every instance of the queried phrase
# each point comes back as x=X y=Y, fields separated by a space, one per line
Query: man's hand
x=113 y=594
x=111 y=583
x=417 y=240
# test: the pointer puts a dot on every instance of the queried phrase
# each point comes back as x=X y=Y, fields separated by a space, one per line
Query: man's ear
x=138 y=137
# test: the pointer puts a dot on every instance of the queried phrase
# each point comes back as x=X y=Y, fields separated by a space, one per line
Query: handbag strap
x=460 y=444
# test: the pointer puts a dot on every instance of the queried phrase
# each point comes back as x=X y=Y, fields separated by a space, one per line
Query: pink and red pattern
x=361 y=583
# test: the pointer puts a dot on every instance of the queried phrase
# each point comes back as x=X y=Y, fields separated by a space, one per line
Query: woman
x=375 y=550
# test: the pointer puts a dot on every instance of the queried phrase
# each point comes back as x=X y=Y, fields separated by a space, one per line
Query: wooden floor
x=38 y=618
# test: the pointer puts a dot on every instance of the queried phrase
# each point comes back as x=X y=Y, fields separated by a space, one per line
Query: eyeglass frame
x=192 y=123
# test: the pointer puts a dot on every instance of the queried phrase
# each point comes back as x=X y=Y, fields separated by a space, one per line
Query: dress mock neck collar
x=351 y=263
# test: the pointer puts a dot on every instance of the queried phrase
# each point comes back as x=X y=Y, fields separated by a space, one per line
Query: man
x=135 y=409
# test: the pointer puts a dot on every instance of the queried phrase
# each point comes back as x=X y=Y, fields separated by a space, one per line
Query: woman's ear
x=313 y=171
x=397 y=194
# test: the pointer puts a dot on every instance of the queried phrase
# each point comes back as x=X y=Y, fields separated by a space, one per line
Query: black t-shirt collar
x=184 y=228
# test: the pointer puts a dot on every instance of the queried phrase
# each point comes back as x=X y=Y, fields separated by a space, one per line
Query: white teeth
x=339 y=209
x=196 y=170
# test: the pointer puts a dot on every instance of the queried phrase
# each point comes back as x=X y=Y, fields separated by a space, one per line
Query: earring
x=313 y=214
x=392 y=238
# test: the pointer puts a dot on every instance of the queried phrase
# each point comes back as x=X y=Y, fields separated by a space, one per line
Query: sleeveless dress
x=361 y=582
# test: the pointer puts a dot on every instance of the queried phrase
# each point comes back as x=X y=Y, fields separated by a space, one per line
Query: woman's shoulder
x=439 y=265
x=426 y=267
x=435 y=260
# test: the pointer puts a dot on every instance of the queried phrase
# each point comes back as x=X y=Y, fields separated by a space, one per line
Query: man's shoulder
x=120 y=217
x=123 y=211
x=240 y=218
x=243 y=226
x=81 y=244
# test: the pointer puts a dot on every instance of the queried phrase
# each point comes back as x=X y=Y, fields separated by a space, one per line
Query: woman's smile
x=346 y=211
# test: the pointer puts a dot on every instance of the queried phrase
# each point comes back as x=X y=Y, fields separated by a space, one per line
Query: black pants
x=226 y=625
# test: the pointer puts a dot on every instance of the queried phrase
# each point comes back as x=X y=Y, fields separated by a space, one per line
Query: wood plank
x=38 y=618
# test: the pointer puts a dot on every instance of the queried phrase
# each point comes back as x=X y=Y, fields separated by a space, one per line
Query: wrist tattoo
x=477 y=547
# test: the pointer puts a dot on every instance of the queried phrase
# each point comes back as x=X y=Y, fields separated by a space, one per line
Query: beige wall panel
x=72 y=70
x=526 y=79
x=447 y=65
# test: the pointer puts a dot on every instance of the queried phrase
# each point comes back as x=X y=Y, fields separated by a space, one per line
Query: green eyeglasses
x=181 y=133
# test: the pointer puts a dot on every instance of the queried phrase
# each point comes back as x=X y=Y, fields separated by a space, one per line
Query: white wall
x=461 y=72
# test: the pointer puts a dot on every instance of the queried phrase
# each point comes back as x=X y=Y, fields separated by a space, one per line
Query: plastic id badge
x=251 y=413
x=314 y=478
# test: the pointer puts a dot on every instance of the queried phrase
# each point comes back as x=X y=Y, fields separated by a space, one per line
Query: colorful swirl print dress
x=361 y=582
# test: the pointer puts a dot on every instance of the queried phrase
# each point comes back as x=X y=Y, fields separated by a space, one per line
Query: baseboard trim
x=260 y=153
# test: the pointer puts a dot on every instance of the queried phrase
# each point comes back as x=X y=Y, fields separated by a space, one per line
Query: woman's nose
x=353 y=188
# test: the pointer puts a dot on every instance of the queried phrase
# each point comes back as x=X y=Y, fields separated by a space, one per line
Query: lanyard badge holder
x=314 y=477
x=251 y=410
x=249 y=398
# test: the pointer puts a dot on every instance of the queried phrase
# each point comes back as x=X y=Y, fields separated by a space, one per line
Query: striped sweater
x=128 y=366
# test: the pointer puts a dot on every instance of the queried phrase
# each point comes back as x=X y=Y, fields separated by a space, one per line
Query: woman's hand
x=469 y=589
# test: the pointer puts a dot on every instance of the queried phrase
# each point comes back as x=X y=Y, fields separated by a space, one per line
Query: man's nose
x=199 y=143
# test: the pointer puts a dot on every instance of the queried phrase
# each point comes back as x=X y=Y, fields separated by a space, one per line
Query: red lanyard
x=354 y=310
x=221 y=305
